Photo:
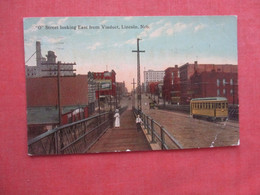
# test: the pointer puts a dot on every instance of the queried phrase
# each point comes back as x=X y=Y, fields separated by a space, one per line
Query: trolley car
x=211 y=108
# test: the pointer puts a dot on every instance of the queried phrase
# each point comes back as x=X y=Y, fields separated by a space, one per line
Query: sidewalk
x=125 y=138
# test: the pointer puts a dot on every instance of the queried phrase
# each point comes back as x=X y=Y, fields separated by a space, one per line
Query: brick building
x=152 y=76
x=204 y=80
x=215 y=84
x=106 y=83
x=42 y=101
x=171 y=85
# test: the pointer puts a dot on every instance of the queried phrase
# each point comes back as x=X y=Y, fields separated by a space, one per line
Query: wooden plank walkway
x=125 y=138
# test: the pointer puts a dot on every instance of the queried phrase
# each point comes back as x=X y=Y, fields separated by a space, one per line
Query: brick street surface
x=194 y=133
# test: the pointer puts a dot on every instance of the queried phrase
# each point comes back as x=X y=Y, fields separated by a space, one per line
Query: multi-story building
x=42 y=101
x=106 y=83
x=197 y=80
x=152 y=76
x=49 y=63
x=171 y=85
x=121 y=89
x=215 y=84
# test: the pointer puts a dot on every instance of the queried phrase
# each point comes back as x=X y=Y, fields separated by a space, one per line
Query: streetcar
x=211 y=108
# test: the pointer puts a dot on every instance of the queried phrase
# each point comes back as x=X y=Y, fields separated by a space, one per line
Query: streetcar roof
x=210 y=99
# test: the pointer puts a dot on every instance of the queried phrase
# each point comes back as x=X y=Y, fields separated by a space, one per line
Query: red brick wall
x=44 y=91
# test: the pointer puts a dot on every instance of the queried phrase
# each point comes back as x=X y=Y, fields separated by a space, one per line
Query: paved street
x=194 y=133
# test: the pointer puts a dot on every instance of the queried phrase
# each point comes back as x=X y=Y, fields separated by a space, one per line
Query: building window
x=231 y=91
x=231 y=81
x=224 y=82
x=218 y=93
x=218 y=82
x=178 y=74
x=224 y=91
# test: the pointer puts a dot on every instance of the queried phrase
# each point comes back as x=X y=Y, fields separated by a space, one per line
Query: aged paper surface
x=113 y=84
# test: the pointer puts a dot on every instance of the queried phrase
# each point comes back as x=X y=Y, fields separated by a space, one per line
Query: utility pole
x=139 y=96
x=133 y=95
x=116 y=94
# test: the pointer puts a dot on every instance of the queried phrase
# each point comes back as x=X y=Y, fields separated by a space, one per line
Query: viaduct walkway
x=124 y=138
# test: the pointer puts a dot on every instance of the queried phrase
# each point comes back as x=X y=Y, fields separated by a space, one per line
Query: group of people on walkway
x=138 y=120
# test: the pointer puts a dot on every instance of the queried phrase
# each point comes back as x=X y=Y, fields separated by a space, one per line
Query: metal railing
x=158 y=133
x=76 y=137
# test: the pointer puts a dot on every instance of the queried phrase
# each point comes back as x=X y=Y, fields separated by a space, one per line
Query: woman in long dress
x=117 y=121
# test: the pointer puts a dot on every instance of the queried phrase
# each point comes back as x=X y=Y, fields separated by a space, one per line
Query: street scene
x=121 y=84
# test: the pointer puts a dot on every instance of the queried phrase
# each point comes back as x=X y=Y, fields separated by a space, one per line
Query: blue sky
x=167 y=41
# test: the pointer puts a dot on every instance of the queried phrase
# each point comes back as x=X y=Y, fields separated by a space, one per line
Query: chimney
x=195 y=65
x=38 y=53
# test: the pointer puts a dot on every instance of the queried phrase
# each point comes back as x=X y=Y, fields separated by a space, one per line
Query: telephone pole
x=133 y=94
x=139 y=96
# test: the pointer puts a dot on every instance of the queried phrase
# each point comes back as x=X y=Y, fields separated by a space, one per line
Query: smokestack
x=195 y=65
x=38 y=53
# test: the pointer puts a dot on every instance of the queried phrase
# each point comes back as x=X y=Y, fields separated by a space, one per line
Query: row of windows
x=224 y=92
x=173 y=74
x=224 y=82
x=209 y=105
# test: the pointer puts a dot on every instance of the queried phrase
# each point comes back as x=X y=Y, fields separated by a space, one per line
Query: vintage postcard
x=121 y=84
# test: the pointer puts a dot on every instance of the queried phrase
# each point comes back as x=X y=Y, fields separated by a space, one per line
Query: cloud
x=178 y=27
x=42 y=22
x=94 y=46
x=199 y=27
x=128 y=18
x=62 y=20
x=131 y=41
x=52 y=40
x=29 y=42
x=34 y=28
x=103 y=22
x=44 y=40
x=158 y=32
x=159 y=28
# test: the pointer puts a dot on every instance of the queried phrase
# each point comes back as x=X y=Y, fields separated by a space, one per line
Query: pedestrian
x=138 y=122
x=117 y=120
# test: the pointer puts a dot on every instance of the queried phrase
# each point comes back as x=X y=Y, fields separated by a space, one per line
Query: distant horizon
x=98 y=44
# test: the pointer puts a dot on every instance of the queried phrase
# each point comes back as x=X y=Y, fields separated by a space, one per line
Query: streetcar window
x=219 y=105
x=226 y=105
x=223 y=105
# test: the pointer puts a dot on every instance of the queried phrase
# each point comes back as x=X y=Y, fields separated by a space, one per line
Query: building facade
x=152 y=76
x=171 y=85
x=42 y=101
x=106 y=83
x=49 y=63
x=215 y=84
x=198 y=80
